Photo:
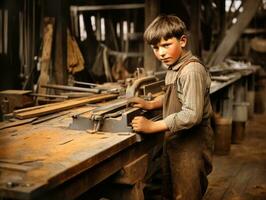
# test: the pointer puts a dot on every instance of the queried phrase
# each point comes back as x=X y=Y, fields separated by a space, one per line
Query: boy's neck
x=183 y=54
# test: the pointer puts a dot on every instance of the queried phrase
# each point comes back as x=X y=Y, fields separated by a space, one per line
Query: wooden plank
x=46 y=53
x=52 y=108
x=5 y=125
x=29 y=108
x=15 y=92
x=49 y=117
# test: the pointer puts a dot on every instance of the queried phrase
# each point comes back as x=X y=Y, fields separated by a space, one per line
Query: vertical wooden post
x=60 y=67
x=222 y=17
x=48 y=29
x=152 y=9
x=195 y=27
x=59 y=10
x=227 y=102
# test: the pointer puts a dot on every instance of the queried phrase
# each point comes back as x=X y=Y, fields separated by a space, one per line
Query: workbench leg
x=259 y=105
x=227 y=102
x=240 y=112
x=222 y=121
x=128 y=183
x=126 y=192
x=251 y=95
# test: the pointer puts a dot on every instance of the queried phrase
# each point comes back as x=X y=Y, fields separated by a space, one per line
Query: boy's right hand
x=139 y=103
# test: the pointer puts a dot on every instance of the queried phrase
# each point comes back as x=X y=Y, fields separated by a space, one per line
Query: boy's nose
x=162 y=52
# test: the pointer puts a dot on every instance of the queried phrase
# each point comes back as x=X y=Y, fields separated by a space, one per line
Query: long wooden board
x=52 y=108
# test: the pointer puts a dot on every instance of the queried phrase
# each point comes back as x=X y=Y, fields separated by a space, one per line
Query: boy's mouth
x=166 y=60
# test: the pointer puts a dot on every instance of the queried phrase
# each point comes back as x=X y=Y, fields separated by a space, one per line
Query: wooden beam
x=60 y=58
x=232 y=35
x=108 y=7
x=195 y=8
x=46 y=53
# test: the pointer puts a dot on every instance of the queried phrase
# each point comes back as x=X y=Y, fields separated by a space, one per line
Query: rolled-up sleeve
x=193 y=84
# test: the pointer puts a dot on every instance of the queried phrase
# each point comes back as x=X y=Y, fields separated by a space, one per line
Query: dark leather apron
x=186 y=154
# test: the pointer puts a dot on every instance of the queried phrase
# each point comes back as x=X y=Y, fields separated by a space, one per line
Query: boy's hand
x=141 y=124
x=139 y=103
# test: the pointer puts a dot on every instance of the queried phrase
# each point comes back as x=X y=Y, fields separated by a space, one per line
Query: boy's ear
x=183 y=40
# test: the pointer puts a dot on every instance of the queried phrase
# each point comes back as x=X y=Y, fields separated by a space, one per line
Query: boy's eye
x=166 y=45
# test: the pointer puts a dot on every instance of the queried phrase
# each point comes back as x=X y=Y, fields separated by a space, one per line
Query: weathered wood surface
x=133 y=172
x=49 y=156
x=56 y=107
x=38 y=161
x=46 y=53
x=98 y=173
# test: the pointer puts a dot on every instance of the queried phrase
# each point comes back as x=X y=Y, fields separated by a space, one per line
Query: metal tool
x=119 y=121
x=72 y=88
x=117 y=115
x=102 y=88
x=133 y=89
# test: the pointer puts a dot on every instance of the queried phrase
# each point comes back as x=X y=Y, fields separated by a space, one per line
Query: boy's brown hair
x=166 y=27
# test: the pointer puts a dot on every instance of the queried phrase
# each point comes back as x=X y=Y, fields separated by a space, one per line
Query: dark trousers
x=186 y=163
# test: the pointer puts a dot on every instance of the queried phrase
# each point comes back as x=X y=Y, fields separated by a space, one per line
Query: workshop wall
x=9 y=45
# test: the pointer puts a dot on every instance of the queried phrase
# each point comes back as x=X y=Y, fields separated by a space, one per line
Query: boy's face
x=170 y=50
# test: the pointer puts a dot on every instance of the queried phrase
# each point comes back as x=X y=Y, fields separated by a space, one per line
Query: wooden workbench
x=50 y=161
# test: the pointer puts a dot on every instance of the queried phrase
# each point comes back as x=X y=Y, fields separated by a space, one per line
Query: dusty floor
x=241 y=175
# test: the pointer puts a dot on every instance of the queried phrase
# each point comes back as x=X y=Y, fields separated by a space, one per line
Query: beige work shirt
x=193 y=86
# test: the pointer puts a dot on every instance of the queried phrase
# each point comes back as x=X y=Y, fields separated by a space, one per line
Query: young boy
x=186 y=106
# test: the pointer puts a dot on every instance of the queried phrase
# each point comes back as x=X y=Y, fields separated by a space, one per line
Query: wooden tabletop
x=39 y=157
